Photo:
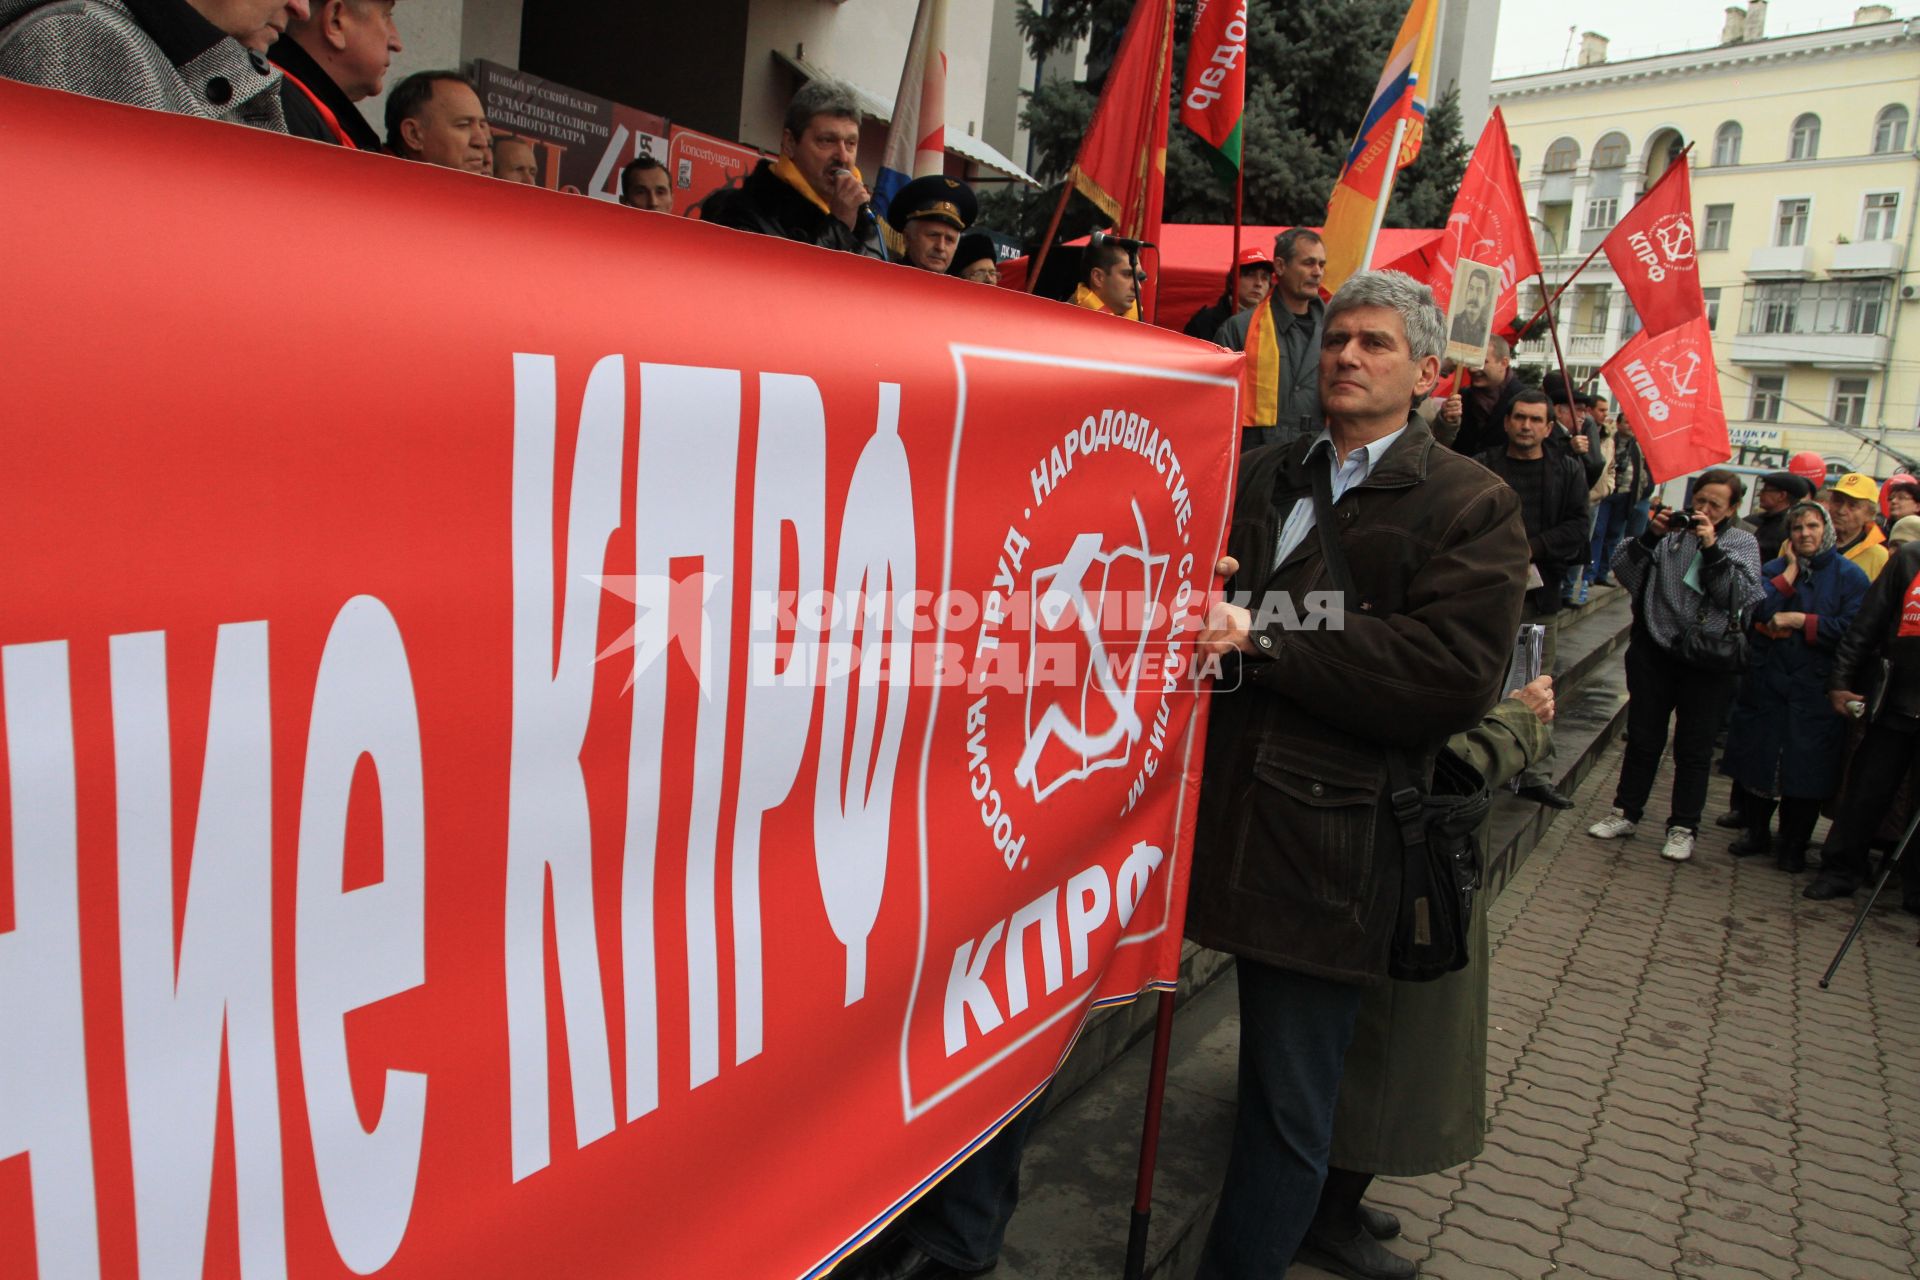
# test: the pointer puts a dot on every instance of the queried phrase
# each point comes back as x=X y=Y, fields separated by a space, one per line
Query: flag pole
x=1136 y=1264
x=1053 y=228
x=1553 y=328
x=1386 y=192
x=1239 y=200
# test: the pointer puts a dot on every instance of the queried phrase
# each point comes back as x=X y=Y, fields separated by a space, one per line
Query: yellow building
x=1804 y=184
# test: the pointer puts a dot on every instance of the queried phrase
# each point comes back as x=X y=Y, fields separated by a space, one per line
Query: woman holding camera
x=1785 y=743
x=1693 y=576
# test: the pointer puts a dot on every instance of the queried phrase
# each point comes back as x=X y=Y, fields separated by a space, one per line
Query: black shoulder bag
x=1440 y=858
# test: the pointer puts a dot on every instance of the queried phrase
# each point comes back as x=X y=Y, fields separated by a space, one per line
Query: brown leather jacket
x=1297 y=858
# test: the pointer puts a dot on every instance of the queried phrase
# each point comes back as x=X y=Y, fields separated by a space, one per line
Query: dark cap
x=1795 y=487
x=935 y=196
x=973 y=246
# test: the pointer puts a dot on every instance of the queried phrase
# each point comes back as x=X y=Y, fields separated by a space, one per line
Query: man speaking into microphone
x=813 y=192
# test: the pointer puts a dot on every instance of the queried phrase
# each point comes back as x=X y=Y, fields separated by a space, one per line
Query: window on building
x=1890 y=130
x=1850 y=401
x=1516 y=159
x=1882 y=212
x=1863 y=306
x=1562 y=157
x=1597 y=311
x=1726 y=144
x=1610 y=152
x=1777 y=308
x=1805 y=141
x=1839 y=307
x=1790 y=222
x=1629 y=317
x=1603 y=212
x=1556 y=218
x=1712 y=297
x=1769 y=389
x=1717 y=227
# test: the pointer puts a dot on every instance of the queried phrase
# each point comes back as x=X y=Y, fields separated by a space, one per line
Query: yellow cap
x=1855 y=485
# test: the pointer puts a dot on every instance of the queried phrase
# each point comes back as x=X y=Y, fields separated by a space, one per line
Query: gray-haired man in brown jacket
x=1297 y=860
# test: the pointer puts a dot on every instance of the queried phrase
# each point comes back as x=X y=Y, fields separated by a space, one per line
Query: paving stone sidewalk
x=1671 y=1093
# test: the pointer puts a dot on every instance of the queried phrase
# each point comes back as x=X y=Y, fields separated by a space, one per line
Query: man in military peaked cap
x=930 y=213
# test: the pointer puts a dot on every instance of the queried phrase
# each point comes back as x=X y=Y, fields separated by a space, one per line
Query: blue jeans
x=1637 y=518
x=1294 y=1033
x=963 y=1221
x=1609 y=526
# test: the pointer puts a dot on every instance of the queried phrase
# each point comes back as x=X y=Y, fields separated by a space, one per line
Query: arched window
x=1562 y=157
x=1805 y=143
x=1726 y=144
x=1890 y=130
x=1610 y=152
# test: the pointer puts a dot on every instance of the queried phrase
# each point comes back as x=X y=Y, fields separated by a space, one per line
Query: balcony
x=1824 y=350
x=1587 y=348
x=1867 y=258
x=1835 y=324
x=1781 y=262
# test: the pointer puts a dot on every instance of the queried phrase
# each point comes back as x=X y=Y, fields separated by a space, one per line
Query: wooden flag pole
x=1386 y=192
x=1553 y=328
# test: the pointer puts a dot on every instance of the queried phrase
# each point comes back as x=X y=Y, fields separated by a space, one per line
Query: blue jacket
x=1785 y=738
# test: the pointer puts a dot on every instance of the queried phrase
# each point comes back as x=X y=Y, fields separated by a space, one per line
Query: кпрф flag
x=1399 y=107
x=1213 y=97
x=1652 y=252
x=1122 y=164
x=1667 y=385
x=916 y=137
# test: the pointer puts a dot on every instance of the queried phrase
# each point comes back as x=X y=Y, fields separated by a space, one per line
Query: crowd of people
x=1457 y=504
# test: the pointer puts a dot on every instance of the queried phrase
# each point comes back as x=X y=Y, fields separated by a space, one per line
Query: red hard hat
x=1810 y=467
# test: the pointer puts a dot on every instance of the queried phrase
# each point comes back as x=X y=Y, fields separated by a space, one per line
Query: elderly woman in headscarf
x=1785 y=742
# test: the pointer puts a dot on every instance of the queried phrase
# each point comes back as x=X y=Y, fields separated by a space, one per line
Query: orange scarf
x=1085 y=297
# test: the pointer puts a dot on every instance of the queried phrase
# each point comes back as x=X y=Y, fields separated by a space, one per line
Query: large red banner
x=609 y=764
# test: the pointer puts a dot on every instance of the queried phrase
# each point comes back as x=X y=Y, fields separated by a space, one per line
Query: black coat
x=1482 y=429
x=303 y=118
x=1297 y=857
x=769 y=206
x=1564 y=537
x=1207 y=321
x=1876 y=634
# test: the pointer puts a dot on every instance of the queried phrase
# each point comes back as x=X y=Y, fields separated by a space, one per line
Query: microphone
x=865 y=211
x=1133 y=247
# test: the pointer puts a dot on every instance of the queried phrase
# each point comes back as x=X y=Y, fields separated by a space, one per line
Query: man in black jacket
x=336 y=57
x=812 y=193
x=1480 y=412
x=1887 y=627
x=1553 y=503
x=1297 y=867
x=1779 y=491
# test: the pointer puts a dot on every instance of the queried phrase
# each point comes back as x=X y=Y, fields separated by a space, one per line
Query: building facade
x=1804 y=175
x=728 y=67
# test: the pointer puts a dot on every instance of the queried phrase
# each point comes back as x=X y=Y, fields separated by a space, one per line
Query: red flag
x=1215 y=93
x=1488 y=224
x=1668 y=387
x=1651 y=250
x=1122 y=165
